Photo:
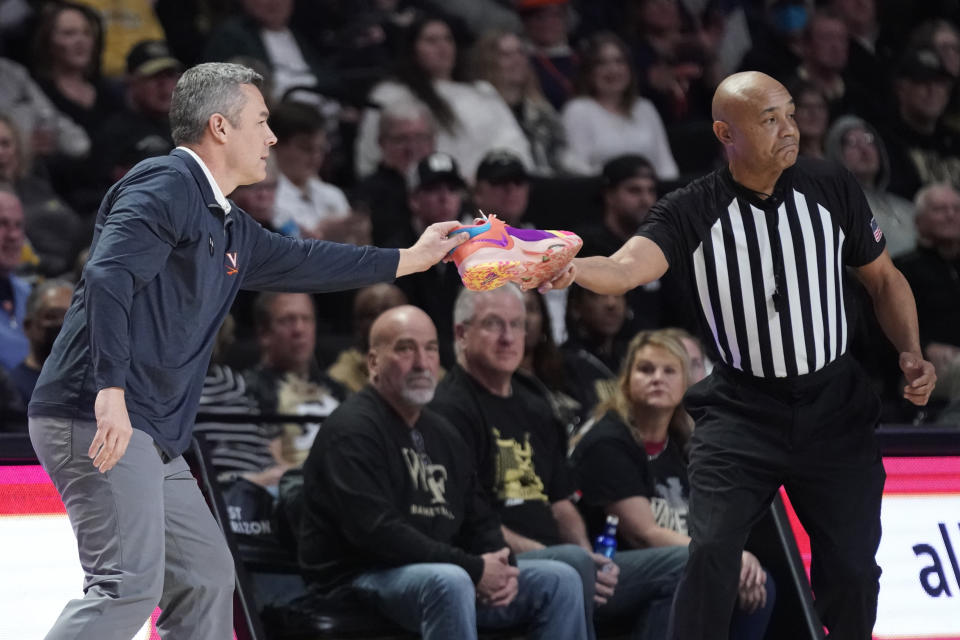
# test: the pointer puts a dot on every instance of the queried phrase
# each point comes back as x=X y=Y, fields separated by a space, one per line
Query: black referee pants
x=815 y=436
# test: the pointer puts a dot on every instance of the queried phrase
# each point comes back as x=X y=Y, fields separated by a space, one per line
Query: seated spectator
x=263 y=31
x=676 y=60
x=546 y=24
x=238 y=450
x=125 y=24
x=520 y=451
x=46 y=306
x=499 y=58
x=699 y=365
x=609 y=118
x=14 y=291
x=350 y=368
x=824 y=53
x=632 y=464
x=864 y=60
x=407 y=135
x=66 y=63
x=812 y=116
x=142 y=129
x=54 y=230
x=288 y=380
x=852 y=142
x=543 y=361
x=944 y=38
x=778 y=36
x=502 y=187
x=471 y=118
x=922 y=149
x=630 y=189
x=436 y=195
x=306 y=205
x=50 y=131
x=595 y=346
x=392 y=510
x=932 y=271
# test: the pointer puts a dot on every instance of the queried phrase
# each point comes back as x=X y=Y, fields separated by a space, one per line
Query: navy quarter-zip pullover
x=165 y=265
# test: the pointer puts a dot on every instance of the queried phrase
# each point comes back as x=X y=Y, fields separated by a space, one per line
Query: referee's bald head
x=738 y=90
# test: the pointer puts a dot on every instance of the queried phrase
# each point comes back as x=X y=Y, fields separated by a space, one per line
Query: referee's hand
x=921 y=378
x=113 y=429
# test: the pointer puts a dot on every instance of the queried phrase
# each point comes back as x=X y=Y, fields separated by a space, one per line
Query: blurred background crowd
x=393 y=114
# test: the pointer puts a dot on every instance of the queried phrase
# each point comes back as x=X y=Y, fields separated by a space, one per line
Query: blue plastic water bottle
x=606 y=542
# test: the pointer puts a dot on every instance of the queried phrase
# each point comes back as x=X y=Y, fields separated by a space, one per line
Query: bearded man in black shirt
x=392 y=509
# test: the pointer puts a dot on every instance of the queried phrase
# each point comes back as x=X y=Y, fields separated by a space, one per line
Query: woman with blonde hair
x=500 y=58
x=632 y=464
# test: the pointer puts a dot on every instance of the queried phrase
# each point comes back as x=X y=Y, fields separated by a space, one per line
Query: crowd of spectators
x=394 y=114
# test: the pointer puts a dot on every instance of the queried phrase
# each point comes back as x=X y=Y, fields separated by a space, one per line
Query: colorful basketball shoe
x=497 y=253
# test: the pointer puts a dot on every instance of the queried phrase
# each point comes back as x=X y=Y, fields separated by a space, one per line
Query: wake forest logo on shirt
x=431 y=479
x=670 y=508
x=517 y=480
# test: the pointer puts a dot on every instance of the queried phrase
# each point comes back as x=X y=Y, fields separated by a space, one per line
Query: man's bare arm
x=637 y=262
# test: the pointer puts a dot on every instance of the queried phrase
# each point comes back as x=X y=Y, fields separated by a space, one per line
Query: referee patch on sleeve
x=877 y=233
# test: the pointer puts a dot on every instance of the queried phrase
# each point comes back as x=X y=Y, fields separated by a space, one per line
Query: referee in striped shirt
x=762 y=245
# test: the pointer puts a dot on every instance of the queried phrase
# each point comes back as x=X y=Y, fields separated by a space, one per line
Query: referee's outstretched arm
x=897 y=313
x=636 y=263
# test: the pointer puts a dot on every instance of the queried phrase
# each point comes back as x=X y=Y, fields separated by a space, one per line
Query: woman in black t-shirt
x=632 y=464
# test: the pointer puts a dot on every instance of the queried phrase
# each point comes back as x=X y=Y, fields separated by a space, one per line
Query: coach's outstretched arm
x=896 y=311
x=636 y=263
x=433 y=246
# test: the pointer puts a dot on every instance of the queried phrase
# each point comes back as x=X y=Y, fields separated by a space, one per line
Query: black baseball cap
x=624 y=167
x=922 y=64
x=500 y=166
x=437 y=168
x=148 y=57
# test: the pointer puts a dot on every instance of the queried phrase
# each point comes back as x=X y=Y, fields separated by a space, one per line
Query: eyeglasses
x=497 y=325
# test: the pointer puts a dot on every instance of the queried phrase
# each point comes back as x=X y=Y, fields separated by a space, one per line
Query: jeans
x=439 y=601
x=648 y=578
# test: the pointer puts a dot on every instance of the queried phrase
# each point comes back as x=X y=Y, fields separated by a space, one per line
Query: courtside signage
x=919 y=550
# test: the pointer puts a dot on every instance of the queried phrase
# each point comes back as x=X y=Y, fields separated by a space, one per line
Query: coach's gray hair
x=206 y=89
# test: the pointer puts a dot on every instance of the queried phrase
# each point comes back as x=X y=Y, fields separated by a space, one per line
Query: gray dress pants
x=145 y=536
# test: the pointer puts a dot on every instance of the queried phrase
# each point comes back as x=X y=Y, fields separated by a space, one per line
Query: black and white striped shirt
x=767 y=274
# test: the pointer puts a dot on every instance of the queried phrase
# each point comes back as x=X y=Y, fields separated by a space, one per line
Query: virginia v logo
x=431 y=478
x=231 y=264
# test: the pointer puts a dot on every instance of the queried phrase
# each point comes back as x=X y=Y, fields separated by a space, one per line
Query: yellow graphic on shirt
x=516 y=480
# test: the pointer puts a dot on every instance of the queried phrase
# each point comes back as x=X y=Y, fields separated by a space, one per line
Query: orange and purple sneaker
x=497 y=253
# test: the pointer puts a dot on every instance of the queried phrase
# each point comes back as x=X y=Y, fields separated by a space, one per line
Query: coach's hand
x=113 y=429
x=433 y=246
x=921 y=378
